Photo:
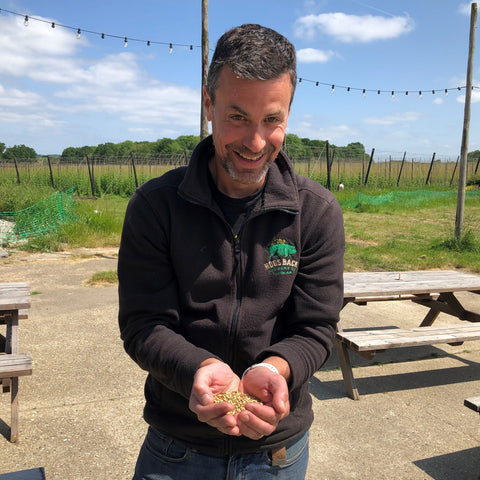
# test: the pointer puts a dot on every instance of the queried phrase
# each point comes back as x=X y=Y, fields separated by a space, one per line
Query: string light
x=27 y=19
x=391 y=92
x=81 y=31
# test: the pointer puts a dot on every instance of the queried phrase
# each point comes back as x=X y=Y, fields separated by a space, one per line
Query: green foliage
x=19 y=152
x=468 y=242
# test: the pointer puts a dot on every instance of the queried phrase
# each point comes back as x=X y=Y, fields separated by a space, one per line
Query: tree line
x=295 y=146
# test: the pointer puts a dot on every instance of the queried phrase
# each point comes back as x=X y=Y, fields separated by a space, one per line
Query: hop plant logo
x=281 y=258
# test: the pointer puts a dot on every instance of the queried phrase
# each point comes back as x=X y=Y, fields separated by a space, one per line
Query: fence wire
x=42 y=218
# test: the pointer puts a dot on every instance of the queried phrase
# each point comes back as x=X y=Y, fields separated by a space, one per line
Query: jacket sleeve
x=148 y=299
x=312 y=310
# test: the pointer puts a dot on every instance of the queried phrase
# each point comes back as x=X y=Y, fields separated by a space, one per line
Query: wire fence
x=95 y=176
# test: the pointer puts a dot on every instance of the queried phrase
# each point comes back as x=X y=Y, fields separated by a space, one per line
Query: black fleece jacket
x=189 y=289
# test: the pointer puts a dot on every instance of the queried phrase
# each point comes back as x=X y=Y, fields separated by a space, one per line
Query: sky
x=57 y=90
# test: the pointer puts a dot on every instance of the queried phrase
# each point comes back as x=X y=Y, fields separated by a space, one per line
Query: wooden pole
x=401 y=168
x=462 y=176
x=430 y=169
x=368 y=169
x=205 y=50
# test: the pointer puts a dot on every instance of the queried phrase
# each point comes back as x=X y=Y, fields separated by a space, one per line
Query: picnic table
x=433 y=289
x=14 y=304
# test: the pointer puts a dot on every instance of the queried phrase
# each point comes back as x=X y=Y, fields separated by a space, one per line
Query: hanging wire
x=28 y=18
x=148 y=43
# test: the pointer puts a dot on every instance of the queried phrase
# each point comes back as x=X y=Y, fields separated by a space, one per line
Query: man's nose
x=255 y=138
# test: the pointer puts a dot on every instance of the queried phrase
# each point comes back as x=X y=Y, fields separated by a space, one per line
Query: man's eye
x=273 y=119
x=237 y=117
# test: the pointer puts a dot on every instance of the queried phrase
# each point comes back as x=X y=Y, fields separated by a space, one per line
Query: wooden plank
x=359 y=285
x=398 y=338
x=14 y=365
x=473 y=403
x=14 y=296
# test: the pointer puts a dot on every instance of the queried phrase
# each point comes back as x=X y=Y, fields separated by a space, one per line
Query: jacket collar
x=280 y=190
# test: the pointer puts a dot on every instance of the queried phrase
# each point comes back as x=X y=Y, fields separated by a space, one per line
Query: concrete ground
x=81 y=410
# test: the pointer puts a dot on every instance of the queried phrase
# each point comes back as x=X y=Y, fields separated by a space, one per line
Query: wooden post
x=51 y=174
x=430 y=169
x=16 y=168
x=369 y=165
x=134 y=170
x=401 y=168
x=90 y=174
x=205 y=50
x=328 y=167
x=454 y=170
x=462 y=177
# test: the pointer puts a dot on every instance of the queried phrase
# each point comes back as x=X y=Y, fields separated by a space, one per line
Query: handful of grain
x=237 y=399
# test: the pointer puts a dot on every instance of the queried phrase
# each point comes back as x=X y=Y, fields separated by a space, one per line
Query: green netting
x=406 y=199
x=39 y=219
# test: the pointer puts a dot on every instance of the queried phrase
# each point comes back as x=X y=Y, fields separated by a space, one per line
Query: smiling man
x=231 y=282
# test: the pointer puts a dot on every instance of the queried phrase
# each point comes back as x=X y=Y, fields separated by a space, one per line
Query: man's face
x=249 y=119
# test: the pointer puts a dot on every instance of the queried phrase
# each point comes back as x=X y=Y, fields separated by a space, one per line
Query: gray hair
x=252 y=52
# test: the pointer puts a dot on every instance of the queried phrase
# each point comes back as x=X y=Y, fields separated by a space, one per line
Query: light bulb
x=446 y=92
x=333 y=88
x=363 y=93
x=126 y=43
x=26 y=21
x=393 y=94
x=79 y=33
x=171 y=48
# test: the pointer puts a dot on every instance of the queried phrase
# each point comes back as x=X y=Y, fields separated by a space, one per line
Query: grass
x=106 y=277
x=389 y=237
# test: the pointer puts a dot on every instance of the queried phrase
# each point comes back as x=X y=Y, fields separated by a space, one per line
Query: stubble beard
x=246 y=177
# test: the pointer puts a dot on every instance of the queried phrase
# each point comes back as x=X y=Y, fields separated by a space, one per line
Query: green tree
x=108 y=149
x=2 y=149
x=19 y=152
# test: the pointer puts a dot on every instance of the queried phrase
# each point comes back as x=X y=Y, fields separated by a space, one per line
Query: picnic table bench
x=14 y=304
x=432 y=289
x=473 y=403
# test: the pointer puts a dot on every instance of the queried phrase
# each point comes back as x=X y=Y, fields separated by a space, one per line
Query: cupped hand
x=209 y=380
x=271 y=388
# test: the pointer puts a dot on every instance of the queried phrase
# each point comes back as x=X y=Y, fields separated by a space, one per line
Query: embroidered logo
x=280 y=258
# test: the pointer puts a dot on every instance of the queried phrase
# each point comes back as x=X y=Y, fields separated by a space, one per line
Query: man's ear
x=207 y=103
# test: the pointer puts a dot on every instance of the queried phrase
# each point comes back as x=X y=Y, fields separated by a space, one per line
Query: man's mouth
x=250 y=158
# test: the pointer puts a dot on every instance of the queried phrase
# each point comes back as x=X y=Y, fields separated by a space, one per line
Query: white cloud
x=46 y=77
x=352 y=28
x=406 y=117
x=438 y=101
x=312 y=55
x=465 y=8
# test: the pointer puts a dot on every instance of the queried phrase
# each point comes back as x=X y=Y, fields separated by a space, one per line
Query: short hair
x=252 y=52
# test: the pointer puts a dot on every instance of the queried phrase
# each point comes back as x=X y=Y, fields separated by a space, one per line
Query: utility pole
x=205 y=51
x=462 y=177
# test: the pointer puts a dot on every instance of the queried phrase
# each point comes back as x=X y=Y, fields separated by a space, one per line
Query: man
x=231 y=280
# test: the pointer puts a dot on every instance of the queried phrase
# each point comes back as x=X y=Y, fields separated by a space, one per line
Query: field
x=120 y=176
x=409 y=232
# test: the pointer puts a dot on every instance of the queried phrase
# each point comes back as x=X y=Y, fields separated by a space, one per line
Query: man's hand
x=211 y=378
x=271 y=388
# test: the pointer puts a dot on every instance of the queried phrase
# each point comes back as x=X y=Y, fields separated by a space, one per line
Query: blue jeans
x=163 y=458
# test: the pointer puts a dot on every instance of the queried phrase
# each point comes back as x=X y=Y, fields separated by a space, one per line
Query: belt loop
x=279 y=456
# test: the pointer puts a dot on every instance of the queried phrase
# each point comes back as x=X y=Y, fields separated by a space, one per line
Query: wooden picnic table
x=14 y=304
x=434 y=289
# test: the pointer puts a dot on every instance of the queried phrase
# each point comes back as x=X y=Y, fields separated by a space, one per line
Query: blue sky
x=58 y=91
